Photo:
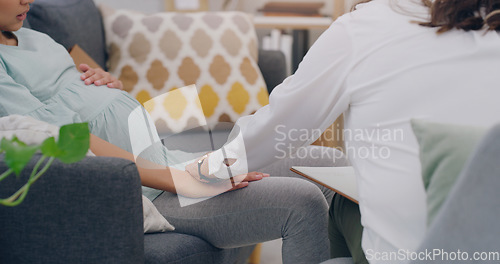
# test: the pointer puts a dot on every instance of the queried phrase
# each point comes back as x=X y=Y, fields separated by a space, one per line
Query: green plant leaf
x=17 y=153
x=74 y=142
x=50 y=148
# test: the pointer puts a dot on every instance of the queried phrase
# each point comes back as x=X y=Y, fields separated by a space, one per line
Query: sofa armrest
x=87 y=212
x=272 y=64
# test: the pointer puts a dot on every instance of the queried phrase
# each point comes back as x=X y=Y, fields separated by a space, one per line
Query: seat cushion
x=71 y=22
x=186 y=249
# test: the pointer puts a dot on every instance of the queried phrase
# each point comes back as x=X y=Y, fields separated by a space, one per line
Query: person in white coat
x=381 y=65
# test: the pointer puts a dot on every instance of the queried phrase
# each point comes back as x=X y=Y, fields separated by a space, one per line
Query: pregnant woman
x=39 y=79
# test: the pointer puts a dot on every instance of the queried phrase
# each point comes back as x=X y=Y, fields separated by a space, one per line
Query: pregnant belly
x=89 y=101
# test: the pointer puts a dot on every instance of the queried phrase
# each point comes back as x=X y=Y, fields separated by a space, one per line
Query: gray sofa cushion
x=273 y=67
x=71 y=22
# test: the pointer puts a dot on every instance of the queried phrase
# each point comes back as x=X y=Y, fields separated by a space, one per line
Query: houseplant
x=72 y=146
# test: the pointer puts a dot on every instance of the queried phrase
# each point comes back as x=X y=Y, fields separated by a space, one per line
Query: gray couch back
x=71 y=22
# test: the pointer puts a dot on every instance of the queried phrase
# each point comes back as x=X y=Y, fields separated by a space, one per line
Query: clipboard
x=341 y=180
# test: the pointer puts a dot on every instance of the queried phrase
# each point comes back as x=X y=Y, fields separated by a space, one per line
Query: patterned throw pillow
x=159 y=53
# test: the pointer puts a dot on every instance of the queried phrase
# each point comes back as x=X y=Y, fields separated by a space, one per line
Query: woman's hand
x=99 y=77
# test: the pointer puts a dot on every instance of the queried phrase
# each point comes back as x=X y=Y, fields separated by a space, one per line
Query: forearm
x=166 y=178
x=152 y=175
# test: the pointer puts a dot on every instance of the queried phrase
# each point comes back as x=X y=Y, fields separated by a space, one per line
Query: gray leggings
x=283 y=206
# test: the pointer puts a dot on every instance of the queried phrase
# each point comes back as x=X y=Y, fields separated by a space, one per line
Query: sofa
x=91 y=211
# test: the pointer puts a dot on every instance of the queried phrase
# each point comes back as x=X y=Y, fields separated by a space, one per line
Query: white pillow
x=27 y=129
x=153 y=221
x=32 y=131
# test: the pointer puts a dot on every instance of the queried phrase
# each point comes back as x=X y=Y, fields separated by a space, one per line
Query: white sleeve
x=299 y=109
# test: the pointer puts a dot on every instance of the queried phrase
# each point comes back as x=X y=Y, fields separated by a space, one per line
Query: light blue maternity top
x=38 y=78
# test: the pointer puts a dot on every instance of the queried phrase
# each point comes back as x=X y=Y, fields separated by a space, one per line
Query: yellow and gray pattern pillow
x=158 y=53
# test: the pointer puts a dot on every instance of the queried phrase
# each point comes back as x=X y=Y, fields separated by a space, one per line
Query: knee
x=308 y=198
x=308 y=212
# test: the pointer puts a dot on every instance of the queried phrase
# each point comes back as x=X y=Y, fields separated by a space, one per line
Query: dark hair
x=462 y=14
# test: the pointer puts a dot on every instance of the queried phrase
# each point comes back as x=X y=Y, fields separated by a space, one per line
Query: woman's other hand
x=98 y=77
